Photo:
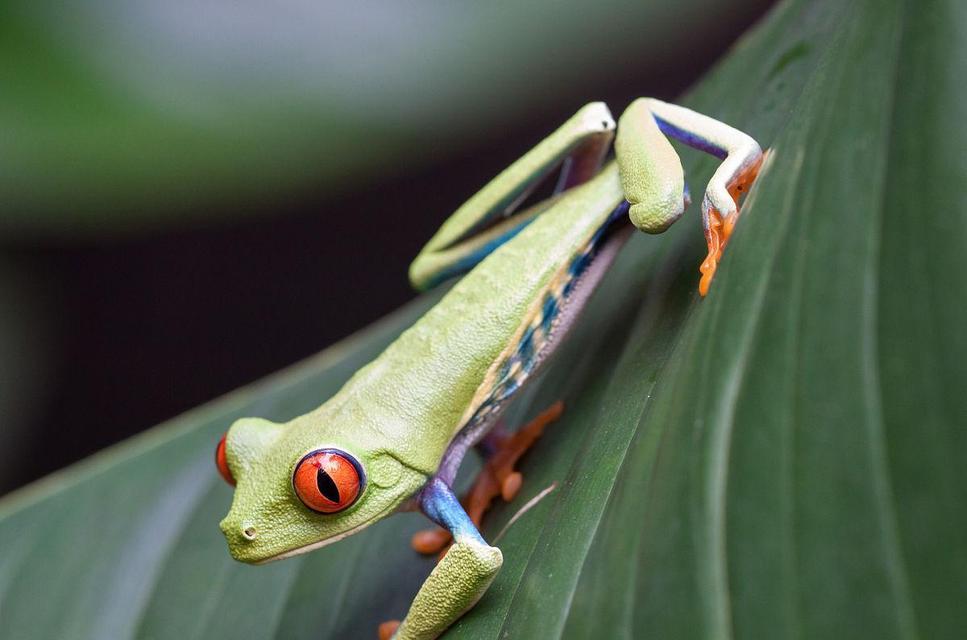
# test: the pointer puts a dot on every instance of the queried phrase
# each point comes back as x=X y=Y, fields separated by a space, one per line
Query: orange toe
x=720 y=228
x=510 y=486
x=716 y=239
x=497 y=478
x=388 y=628
x=430 y=541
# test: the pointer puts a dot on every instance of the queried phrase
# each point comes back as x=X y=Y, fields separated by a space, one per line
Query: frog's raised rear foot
x=718 y=228
x=497 y=478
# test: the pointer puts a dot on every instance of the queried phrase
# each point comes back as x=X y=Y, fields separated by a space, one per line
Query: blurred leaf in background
x=782 y=459
x=122 y=115
x=193 y=194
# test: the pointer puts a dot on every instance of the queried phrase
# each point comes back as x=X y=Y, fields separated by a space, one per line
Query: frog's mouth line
x=327 y=541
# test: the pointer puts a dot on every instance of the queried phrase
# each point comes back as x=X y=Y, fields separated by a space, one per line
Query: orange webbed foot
x=720 y=228
x=497 y=478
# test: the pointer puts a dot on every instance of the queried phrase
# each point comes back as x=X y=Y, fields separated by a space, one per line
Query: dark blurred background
x=194 y=195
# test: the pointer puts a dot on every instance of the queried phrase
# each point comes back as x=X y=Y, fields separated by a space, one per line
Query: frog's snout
x=238 y=533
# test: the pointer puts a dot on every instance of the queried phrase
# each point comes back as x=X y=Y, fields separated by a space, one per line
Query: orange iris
x=327 y=480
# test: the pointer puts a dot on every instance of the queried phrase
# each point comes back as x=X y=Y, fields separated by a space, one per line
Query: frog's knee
x=656 y=219
x=477 y=562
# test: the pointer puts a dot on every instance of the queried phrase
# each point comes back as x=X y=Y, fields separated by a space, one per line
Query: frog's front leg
x=459 y=579
x=498 y=477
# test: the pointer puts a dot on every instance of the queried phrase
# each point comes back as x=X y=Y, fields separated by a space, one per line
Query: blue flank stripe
x=692 y=140
x=526 y=343
x=549 y=310
x=527 y=351
x=468 y=261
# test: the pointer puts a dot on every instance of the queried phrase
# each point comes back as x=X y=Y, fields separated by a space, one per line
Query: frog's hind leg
x=492 y=215
x=652 y=178
x=498 y=477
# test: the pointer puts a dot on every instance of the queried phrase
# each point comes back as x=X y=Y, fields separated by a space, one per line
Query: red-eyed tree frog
x=394 y=436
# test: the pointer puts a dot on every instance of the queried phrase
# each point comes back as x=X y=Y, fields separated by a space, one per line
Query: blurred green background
x=195 y=194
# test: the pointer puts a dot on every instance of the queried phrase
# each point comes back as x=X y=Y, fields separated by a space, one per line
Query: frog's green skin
x=409 y=415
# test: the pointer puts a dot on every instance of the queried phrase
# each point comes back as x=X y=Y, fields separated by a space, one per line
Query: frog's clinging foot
x=719 y=228
x=497 y=478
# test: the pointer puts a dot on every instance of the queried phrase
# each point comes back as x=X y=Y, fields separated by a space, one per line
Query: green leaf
x=779 y=460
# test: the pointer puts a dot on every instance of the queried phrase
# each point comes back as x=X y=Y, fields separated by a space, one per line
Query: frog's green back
x=414 y=396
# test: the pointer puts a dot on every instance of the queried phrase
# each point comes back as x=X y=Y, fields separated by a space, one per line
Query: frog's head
x=301 y=485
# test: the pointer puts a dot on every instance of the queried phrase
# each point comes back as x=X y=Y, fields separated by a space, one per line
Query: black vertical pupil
x=327 y=486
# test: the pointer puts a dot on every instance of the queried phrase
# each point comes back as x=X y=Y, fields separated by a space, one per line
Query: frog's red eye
x=328 y=480
x=222 y=463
